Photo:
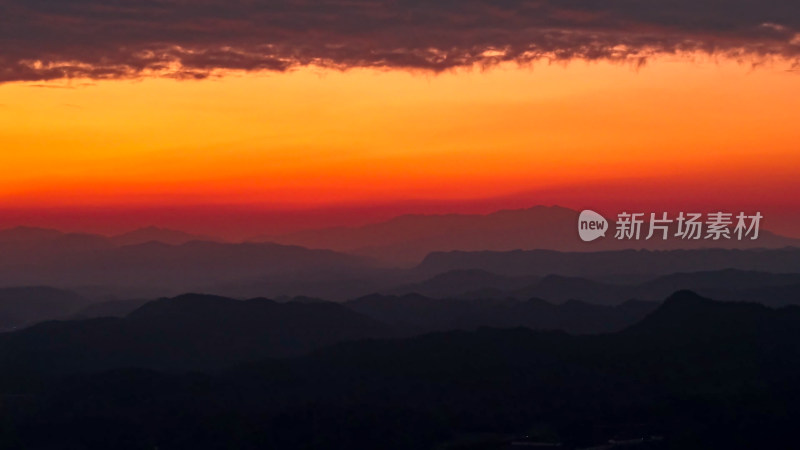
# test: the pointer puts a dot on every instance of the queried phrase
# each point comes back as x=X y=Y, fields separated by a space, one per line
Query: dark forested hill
x=419 y=313
x=190 y=331
x=693 y=374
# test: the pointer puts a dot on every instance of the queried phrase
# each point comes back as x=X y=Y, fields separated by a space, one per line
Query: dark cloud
x=51 y=39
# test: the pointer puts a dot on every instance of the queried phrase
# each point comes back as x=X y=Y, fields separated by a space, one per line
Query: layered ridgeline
x=694 y=373
x=408 y=239
x=459 y=299
x=186 y=332
x=623 y=264
x=416 y=313
x=773 y=289
x=155 y=262
x=345 y=263
x=195 y=331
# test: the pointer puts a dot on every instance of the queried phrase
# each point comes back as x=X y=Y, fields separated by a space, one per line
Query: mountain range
x=459 y=299
x=694 y=373
x=345 y=263
x=634 y=263
x=421 y=314
x=774 y=289
x=185 y=332
x=406 y=240
x=125 y=266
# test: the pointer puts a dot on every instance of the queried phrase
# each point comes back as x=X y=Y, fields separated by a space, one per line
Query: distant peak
x=685 y=296
x=184 y=305
x=191 y=296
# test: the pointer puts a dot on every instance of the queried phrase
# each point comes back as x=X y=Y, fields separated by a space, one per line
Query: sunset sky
x=160 y=112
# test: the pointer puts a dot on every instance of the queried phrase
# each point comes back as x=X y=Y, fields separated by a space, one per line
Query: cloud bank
x=53 y=39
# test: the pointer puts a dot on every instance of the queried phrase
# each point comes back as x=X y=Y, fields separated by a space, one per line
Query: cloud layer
x=53 y=39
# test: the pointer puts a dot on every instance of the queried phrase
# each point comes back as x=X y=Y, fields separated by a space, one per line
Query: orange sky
x=678 y=130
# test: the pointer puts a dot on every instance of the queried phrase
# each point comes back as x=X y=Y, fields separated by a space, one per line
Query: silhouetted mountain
x=338 y=284
x=773 y=296
x=156 y=234
x=699 y=373
x=194 y=265
x=557 y=288
x=91 y=263
x=24 y=249
x=723 y=283
x=690 y=326
x=190 y=331
x=601 y=264
x=478 y=284
x=22 y=306
x=774 y=289
x=455 y=283
x=304 y=299
x=423 y=314
x=111 y=308
x=408 y=239
x=152 y=262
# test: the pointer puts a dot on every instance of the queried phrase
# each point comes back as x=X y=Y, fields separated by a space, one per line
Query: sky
x=246 y=116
